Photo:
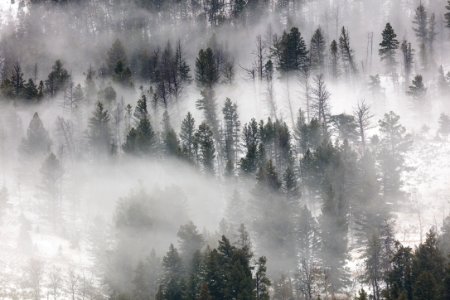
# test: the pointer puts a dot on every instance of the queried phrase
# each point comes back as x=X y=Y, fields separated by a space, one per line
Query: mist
x=224 y=149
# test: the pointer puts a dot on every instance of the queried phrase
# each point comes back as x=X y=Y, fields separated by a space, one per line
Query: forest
x=225 y=149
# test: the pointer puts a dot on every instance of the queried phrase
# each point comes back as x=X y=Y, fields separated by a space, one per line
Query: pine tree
x=249 y=162
x=170 y=139
x=187 y=137
x=291 y=52
x=90 y=88
x=206 y=69
x=57 y=79
x=190 y=242
x=346 y=52
x=417 y=90
x=115 y=55
x=388 y=47
x=334 y=59
x=52 y=172
x=394 y=143
x=37 y=141
x=317 y=51
x=421 y=30
x=99 y=130
x=141 y=111
x=209 y=107
x=261 y=281
x=204 y=138
x=408 y=59
x=231 y=133
x=172 y=283
x=447 y=14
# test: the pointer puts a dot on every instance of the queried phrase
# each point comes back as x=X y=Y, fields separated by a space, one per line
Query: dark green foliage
x=99 y=130
x=346 y=126
x=204 y=139
x=172 y=283
x=408 y=59
x=417 y=90
x=140 y=140
x=187 y=137
x=231 y=134
x=169 y=137
x=393 y=145
x=37 y=141
x=206 y=69
x=400 y=278
x=209 y=107
x=447 y=14
x=57 y=79
x=346 y=52
x=249 y=162
x=388 y=47
x=261 y=281
x=291 y=52
x=317 y=51
x=334 y=59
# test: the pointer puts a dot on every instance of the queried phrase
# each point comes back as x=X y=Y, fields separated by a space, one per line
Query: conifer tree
x=334 y=59
x=447 y=14
x=388 y=47
x=261 y=281
x=346 y=52
x=421 y=30
x=231 y=133
x=204 y=139
x=209 y=107
x=206 y=69
x=291 y=52
x=99 y=130
x=249 y=162
x=187 y=137
x=172 y=283
x=317 y=51
x=394 y=143
x=57 y=79
x=408 y=59
x=417 y=90
x=170 y=139
x=37 y=141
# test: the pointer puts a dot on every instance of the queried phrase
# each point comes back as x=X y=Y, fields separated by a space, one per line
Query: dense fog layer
x=224 y=149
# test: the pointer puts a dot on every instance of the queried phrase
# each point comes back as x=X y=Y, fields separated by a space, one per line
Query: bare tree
x=72 y=283
x=363 y=117
x=55 y=282
x=320 y=97
x=35 y=272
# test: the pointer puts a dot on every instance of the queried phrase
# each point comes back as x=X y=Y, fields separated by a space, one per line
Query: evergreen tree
x=408 y=59
x=261 y=281
x=417 y=90
x=317 y=51
x=388 y=47
x=421 y=30
x=249 y=162
x=52 y=172
x=206 y=69
x=209 y=107
x=99 y=130
x=346 y=52
x=57 y=79
x=334 y=59
x=172 y=283
x=115 y=55
x=231 y=133
x=204 y=139
x=394 y=143
x=190 y=242
x=447 y=14
x=291 y=52
x=141 y=140
x=141 y=111
x=187 y=137
x=37 y=141
x=170 y=139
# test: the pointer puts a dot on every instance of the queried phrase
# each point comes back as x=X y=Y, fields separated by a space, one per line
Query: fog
x=98 y=175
